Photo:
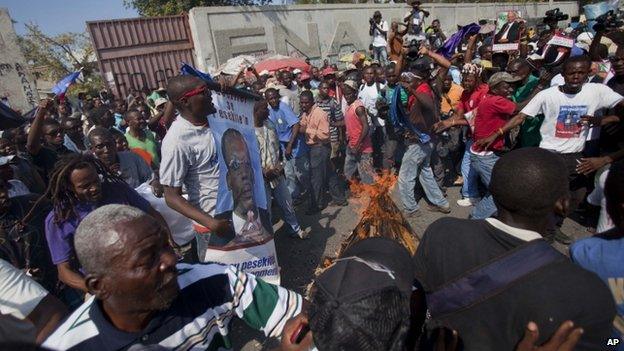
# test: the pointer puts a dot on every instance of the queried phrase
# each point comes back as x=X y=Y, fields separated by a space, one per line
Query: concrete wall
x=16 y=83
x=321 y=31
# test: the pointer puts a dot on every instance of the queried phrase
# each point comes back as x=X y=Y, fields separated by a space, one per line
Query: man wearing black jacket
x=452 y=249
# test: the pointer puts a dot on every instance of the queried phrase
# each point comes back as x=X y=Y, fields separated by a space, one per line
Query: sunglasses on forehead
x=197 y=91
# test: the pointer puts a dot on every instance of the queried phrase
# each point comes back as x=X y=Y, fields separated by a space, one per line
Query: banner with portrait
x=509 y=30
x=241 y=198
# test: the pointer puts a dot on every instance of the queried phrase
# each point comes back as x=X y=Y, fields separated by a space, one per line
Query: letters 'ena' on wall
x=16 y=83
x=322 y=31
x=141 y=53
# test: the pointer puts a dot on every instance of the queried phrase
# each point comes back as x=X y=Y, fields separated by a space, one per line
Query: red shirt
x=492 y=113
x=354 y=128
x=423 y=88
x=469 y=100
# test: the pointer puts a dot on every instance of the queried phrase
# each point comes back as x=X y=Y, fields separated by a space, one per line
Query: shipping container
x=141 y=53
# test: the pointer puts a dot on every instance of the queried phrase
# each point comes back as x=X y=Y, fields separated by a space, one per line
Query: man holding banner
x=189 y=158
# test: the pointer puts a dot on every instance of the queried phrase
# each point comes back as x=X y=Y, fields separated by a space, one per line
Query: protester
x=416 y=159
x=45 y=140
x=602 y=253
x=314 y=125
x=294 y=149
x=494 y=110
x=78 y=185
x=272 y=168
x=140 y=140
x=336 y=124
x=541 y=285
x=28 y=313
x=126 y=164
x=289 y=92
x=142 y=297
x=74 y=138
x=568 y=112
x=359 y=145
x=189 y=159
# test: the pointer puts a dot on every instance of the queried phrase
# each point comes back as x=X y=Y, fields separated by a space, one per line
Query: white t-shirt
x=369 y=95
x=19 y=295
x=379 y=39
x=597 y=198
x=561 y=130
x=189 y=159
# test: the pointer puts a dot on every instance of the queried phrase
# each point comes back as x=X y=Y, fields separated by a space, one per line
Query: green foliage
x=176 y=7
x=53 y=57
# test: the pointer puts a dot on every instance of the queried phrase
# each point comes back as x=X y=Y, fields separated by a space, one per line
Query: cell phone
x=299 y=333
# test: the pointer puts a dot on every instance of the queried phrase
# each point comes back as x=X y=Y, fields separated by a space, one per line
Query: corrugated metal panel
x=141 y=52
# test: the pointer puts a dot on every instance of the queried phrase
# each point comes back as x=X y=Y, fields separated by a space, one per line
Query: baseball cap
x=373 y=275
x=352 y=84
x=296 y=71
x=304 y=76
x=160 y=101
x=5 y=160
x=327 y=71
x=500 y=77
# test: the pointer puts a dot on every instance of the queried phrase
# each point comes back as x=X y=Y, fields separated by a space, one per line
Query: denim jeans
x=416 y=164
x=482 y=166
x=284 y=201
x=470 y=189
x=380 y=54
x=363 y=163
x=323 y=176
x=297 y=171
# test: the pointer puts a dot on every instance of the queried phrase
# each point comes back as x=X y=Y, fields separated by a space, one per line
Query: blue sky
x=58 y=16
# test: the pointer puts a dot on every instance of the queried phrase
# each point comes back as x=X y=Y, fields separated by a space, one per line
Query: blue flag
x=188 y=69
x=61 y=87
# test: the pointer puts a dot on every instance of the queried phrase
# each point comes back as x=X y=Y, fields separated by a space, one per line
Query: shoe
x=433 y=208
x=467 y=201
x=302 y=234
x=459 y=181
x=413 y=214
x=562 y=238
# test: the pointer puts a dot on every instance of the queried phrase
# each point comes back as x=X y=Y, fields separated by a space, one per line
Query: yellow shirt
x=450 y=99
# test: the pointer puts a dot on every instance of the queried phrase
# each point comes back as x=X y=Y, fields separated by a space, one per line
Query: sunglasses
x=55 y=132
x=197 y=91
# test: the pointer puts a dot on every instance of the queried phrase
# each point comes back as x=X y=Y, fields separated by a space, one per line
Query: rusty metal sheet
x=141 y=53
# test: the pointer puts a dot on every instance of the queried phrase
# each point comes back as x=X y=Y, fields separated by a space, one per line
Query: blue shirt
x=604 y=255
x=284 y=119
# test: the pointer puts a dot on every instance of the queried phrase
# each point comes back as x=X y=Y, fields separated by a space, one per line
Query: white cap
x=160 y=101
x=296 y=71
x=4 y=160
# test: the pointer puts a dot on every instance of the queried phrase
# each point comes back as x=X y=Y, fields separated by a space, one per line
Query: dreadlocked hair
x=60 y=188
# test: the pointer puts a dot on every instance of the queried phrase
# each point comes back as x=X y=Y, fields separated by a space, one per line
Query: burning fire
x=380 y=216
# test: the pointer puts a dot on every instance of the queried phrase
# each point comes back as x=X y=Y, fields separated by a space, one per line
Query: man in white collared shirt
x=453 y=248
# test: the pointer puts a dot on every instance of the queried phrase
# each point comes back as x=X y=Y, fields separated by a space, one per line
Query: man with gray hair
x=141 y=297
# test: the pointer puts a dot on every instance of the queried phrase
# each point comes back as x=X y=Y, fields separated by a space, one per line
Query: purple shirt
x=60 y=236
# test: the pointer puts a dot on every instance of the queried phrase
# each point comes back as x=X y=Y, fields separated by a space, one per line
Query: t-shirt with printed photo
x=562 y=130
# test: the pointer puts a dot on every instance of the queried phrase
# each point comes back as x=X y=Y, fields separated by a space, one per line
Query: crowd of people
x=532 y=137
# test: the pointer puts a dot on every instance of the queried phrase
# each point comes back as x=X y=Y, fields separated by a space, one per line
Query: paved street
x=299 y=258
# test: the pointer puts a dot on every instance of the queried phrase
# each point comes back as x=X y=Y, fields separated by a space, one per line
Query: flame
x=364 y=193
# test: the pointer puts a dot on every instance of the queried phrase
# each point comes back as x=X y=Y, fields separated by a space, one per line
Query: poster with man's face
x=241 y=197
x=508 y=31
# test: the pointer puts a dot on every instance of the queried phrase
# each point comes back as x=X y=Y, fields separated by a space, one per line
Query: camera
x=555 y=15
x=610 y=20
x=371 y=21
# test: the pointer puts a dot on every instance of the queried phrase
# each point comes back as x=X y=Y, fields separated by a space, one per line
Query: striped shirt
x=335 y=115
x=210 y=295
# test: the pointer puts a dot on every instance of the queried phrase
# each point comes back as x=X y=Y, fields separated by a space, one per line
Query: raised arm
x=470 y=48
x=33 y=142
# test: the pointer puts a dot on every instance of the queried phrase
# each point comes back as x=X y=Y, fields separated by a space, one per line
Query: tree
x=56 y=56
x=176 y=7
